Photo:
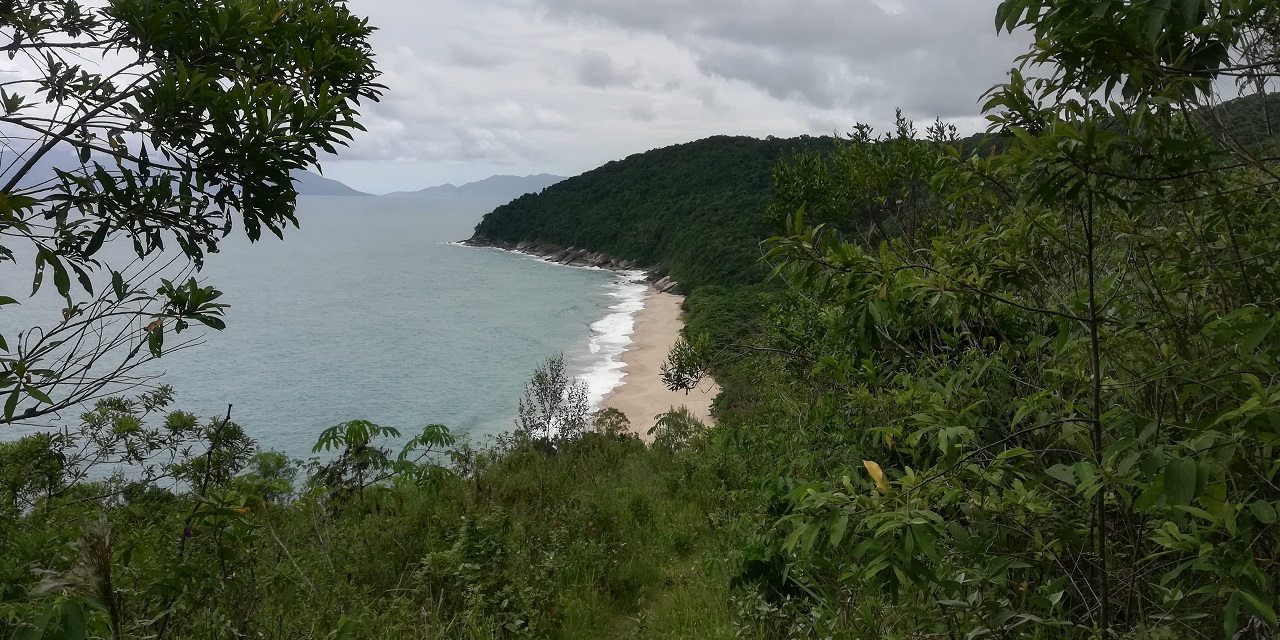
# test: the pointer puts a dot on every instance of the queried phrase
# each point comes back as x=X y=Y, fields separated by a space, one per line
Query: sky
x=483 y=87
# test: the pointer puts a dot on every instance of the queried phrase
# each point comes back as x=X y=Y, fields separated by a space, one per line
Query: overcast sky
x=483 y=87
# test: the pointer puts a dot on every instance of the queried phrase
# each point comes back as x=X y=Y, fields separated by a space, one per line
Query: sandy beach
x=642 y=395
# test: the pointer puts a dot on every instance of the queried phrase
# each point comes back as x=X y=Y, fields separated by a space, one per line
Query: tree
x=1058 y=419
x=554 y=409
x=154 y=125
x=361 y=463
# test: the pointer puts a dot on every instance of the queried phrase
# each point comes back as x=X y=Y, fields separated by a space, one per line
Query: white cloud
x=477 y=87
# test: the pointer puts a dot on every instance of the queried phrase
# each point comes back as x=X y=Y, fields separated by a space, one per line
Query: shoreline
x=573 y=257
x=642 y=395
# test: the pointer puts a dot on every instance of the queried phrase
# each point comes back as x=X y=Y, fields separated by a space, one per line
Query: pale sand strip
x=642 y=395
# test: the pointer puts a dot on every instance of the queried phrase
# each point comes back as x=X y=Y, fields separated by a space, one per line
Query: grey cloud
x=643 y=113
x=828 y=83
x=517 y=83
x=469 y=55
x=655 y=15
x=931 y=57
x=598 y=70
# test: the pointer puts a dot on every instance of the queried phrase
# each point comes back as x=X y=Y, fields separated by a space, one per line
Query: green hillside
x=1253 y=121
x=696 y=209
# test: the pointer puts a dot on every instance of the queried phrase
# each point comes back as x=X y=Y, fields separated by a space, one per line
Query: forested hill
x=695 y=209
x=1252 y=121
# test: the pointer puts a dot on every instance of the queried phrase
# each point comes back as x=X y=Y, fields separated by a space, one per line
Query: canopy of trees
x=695 y=210
x=1029 y=392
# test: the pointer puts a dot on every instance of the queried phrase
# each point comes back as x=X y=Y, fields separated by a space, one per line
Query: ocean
x=371 y=310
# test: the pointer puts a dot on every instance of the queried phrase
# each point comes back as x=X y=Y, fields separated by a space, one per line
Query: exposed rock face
x=573 y=257
x=666 y=285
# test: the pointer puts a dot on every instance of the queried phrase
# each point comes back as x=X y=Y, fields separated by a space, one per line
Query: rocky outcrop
x=574 y=257
x=666 y=285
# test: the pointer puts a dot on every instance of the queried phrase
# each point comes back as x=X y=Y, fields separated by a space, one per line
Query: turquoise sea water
x=370 y=311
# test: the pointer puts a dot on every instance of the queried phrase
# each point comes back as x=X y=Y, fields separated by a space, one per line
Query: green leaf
x=1064 y=334
x=1118 y=447
x=1188 y=11
x=61 y=280
x=1264 y=511
x=1259 y=607
x=810 y=537
x=155 y=341
x=96 y=241
x=1180 y=481
x=1150 y=495
x=1231 y=617
x=838 y=528
x=1062 y=473
x=1197 y=512
x=11 y=404
x=7 y=300
x=117 y=285
x=38 y=395
x=36 y=631
x=74 y=626
x=83 y=276
x=1255 y=337
x=38 y=278
x=345 y=627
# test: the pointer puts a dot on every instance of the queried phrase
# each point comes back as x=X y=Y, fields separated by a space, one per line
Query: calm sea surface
x=369 y=311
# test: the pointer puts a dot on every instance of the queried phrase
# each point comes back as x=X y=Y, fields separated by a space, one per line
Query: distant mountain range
x=313 y=184
x=502 y=188
x=495 y=187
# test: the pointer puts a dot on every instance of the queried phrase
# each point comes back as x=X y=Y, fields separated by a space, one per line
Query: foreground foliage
x=601 y=537
x=131 y=127
x=1029 y=393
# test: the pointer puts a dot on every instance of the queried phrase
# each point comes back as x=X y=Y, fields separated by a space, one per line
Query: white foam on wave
x=612 y=335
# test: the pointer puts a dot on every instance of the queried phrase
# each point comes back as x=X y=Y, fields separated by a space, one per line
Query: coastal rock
x=576 y=258
x=572 y=256
x=665 y=284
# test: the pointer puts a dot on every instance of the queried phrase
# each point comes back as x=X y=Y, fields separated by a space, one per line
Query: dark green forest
x=696 y=210
x=1019 y=385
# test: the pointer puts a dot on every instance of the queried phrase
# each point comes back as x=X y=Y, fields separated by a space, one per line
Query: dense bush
x=585 y=535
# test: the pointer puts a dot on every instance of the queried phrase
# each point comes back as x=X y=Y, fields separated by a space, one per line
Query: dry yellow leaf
x=877 y=475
